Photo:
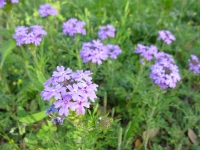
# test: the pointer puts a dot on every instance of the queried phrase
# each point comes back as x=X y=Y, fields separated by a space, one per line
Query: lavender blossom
x=113 y=50
x=165 y=73
x=70 y=90
x=58 y=120
x=163 y=57
x=166 y=36
x=3 y=2
x=94 y=51
x=47 y=10
x=106 y=31
x=148 y=52
x=29 y=35
x=73 y=26
x=14 y=1
x=51 y=110
x=194 y=64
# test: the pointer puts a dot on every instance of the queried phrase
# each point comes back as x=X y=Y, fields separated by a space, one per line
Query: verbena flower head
x=166 y=36
x=148 y=52
x=14 y=1
x=73 y=26
x=93 y=51
x=106 y=31
x=71 y=91
x=164 y=57
x=194 y=64
x=165 y=73
x=113 y=50
x=46 y=10
x=29 y=35
x=3 y=2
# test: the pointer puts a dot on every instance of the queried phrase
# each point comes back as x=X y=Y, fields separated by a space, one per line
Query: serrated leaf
x=6 y=49
x=33 y=118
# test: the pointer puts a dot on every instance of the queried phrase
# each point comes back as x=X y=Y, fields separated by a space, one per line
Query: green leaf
x=33 y=118
x=6 y=49
x=40 y=76
x=21 y=112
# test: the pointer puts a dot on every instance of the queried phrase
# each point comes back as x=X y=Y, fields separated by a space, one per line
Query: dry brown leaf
x=152 y=133
x=138 y=143
x=193 y=137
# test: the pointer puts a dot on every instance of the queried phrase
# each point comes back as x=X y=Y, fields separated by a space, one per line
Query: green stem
x=33 y=52
x=138 y=80
x=146 y=139
x=78 y=53
x=4 y=83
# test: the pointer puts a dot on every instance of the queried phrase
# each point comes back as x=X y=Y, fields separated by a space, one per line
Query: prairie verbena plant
x=103 y=75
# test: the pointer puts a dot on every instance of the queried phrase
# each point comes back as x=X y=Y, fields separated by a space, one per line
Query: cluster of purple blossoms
x=46 y=10
x=164 y=72
x=3 y=2
x=194 y=64
x=29 y=35
x=148 y=52
x=166 y=36
x=71 y=90
x=93 y=51
x=113 y=50
x=106 y=31
x=73 y=26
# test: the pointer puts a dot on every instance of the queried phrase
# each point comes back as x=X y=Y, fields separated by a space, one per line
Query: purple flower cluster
x=3 y=2
x=29 y=35
x=113 y=50
x=106 y=31
x=73 y=26
x=166 y=36
x=148 y=52
x=71 y=90
x=194 y=64
x=164 y=72
x=93 y=51
x=46 y=10
x=96 y=52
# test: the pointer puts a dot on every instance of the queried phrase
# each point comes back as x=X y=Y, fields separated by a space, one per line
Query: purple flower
x=80 y=104
x=14 y=1
x=165 y=74
x=113 y=50
x=73 y=26
x=58 y=120
x=166 y=36
x=29 y=35
x=64 y=105
x=106 y=31
x=46 y=10
x=51 y=110
x=70 y=90
x=194 y=64
x=62 y=74
x=147 y=52
x=3 y=2
x=81 y=75
x=93 y=51
x=52 y=91
x=163 y=57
